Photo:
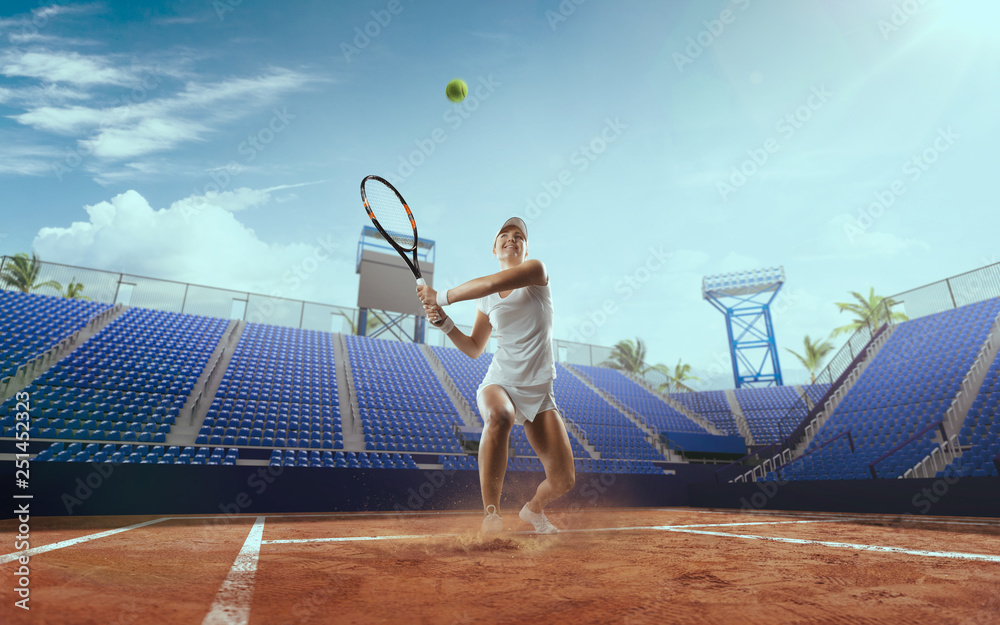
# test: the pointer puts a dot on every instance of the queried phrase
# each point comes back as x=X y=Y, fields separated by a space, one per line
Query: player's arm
x=529 y=273
x=472 y=346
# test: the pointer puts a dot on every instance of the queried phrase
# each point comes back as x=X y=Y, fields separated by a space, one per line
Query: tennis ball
x=456 y=90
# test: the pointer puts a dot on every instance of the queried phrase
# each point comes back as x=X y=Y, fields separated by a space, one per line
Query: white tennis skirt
x=528 y=400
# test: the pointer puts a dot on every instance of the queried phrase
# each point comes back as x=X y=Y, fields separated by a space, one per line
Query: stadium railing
x=42 y=360
x=182 y=297
x=939 y=424
x=850 y=441
x=953 y=292
x=835 y=373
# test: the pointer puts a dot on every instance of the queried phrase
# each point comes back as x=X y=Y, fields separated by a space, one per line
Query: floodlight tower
x=745 y=298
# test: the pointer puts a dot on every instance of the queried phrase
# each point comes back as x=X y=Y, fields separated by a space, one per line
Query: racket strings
x=390 y=213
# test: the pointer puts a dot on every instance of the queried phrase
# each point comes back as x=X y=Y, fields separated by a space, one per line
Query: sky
x=646 y=144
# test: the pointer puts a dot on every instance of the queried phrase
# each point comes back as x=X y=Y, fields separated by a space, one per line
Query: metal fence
x=565 y=351
x=181 y=297
x=965 y=288
x=792 y=426
x=192 y=299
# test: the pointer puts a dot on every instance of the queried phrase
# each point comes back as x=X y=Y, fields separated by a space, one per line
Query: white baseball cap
x=513 y=221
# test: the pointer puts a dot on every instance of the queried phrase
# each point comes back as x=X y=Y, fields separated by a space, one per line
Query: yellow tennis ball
x=456 y=90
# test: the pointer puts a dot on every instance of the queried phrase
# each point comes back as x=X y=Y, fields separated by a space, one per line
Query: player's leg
x=498 y=413
x=547 y=436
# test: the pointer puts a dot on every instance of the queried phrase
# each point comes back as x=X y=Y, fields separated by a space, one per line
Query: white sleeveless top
x=522 y=324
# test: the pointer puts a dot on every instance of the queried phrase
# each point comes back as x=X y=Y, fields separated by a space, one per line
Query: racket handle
x=422 y=282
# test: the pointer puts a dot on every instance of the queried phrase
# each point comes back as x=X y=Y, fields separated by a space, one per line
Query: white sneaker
x=493 y=522
x=538 y=520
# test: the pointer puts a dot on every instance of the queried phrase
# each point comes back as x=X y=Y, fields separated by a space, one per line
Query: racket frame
x=414 y=264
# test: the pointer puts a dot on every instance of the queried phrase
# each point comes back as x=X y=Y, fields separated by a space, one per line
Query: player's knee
x=501 y=419
x=565 y=482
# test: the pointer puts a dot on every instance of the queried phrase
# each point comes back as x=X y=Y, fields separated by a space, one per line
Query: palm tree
x=74 y=290
x=372 y=322
x=871 y=312
x=676 y=378
x=21 y=273
x=628 y=356
x=815 y=352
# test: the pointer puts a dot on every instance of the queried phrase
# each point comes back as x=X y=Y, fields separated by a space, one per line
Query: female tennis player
x=517 y=389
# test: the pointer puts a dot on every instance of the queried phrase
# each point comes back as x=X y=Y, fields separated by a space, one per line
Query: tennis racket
x=392 y=217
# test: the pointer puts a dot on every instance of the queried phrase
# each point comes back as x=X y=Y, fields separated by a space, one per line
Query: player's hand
x=427 y=295
x=434 y=313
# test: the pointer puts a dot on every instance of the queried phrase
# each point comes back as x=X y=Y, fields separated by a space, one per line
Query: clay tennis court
x=677 y=565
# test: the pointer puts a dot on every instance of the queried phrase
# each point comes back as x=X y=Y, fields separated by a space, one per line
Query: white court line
x=800 y=541
x=10 y=557
x=828 y=517
x=345 y=515
x=345 y=539
x=865 y=516
x=232 y=603
x=665 y=527
x=671 y=527
x=875 y=517
x=951 y=522
x=735 y=512
x=687 y=530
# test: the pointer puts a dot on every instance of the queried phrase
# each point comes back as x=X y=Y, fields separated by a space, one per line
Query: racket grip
x=422 y=282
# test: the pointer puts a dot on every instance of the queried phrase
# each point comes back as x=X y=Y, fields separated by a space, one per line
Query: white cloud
x=199 y=240
x=846 y=238
x=105 y=175
x=282 y=187
x=41 y=95
x=135 y=128
x=61 y=120
x=733 y=262
x=39 y=38
x=26 y=160
x=117 y=111
x=247 y=91
x=41 y=15
x=230 y=201
x=182 y=20
x=143 y=137
x=55 y=10
x=64 y=67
